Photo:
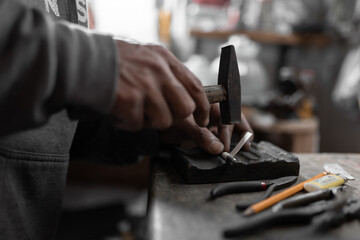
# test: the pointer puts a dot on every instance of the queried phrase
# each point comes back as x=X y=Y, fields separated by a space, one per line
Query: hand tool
x=337 y=215
x=299 y=215
x=260 y=206
x=228 y=90
x=303 y=199
x=325 y=182
x=335 y=168
x=276 y=184
x=230 y=157
x=252 y=186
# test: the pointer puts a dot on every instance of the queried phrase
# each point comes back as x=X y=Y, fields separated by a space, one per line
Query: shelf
x=314 y=39
x=292 y=127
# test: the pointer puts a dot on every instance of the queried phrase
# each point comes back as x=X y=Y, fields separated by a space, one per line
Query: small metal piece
x=241 y=143
x=228 y=158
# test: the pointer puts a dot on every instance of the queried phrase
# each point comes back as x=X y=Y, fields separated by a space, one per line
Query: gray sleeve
x=46 y=66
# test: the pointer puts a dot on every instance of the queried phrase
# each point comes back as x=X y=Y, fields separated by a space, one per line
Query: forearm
x=48 y=66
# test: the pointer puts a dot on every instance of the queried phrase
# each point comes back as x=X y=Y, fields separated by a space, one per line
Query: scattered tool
x=252 y=186
x=303 y=199
x=228 y=90
x=335 y=168
x=230 y=157
x=338 y=214
x=277 y=184
x=298 y=215
x=325 y=182
x=260 y=206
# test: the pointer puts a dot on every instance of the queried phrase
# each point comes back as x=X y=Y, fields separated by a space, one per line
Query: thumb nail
x=216 y=147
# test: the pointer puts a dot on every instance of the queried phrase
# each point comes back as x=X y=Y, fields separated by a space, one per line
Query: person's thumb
x=215 y=147
x=202 y=136
x=206 y=140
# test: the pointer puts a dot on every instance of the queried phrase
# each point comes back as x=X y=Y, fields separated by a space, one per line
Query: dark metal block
x=263 y=161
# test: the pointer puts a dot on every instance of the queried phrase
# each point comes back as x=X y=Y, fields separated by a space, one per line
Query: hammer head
x=229 y=78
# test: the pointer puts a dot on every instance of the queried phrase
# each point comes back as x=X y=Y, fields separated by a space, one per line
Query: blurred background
x=299 y=62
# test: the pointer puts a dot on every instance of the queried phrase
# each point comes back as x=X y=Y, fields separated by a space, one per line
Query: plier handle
x=252 y=186
x=294 y=211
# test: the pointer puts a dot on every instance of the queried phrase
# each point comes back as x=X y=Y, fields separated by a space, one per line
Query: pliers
x=293 y=211
x=252 y=186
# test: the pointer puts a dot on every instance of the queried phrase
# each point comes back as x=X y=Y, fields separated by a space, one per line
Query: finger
x=244 y=126
x=215 y=116
x=177 y=97
x=193 y=85
x=214 y=130
x=225 y=134
x=157 y=111
x=179 y=100
x=128 y=110
x=202 y=136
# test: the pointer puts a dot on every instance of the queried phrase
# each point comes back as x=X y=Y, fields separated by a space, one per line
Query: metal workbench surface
x=181 y=211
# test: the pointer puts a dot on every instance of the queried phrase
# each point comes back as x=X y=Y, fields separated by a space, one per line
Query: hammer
x=228 y=90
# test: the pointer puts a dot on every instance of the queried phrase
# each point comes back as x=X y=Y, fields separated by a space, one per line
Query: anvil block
x=263 y=161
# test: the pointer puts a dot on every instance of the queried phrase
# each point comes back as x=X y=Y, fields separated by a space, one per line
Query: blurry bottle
x=165 y=11
x=307 y=109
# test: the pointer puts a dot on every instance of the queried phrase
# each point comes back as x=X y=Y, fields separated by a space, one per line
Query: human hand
x=213 y=139
x=155 y=89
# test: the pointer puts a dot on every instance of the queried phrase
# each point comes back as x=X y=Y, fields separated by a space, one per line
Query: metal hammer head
x=229 y=78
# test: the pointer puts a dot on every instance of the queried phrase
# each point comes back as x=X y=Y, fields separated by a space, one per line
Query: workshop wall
x=324 y=30
x=308 y=38
x=339 y=131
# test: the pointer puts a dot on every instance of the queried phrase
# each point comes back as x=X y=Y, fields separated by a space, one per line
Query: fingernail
x=216 y=147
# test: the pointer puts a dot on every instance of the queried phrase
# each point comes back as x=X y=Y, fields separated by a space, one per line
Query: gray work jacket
x=49 y=71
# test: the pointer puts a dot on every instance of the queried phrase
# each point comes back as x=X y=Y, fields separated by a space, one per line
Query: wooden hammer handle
x=215 y=93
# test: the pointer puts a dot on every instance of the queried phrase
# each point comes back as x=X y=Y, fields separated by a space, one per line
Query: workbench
x=180 y=211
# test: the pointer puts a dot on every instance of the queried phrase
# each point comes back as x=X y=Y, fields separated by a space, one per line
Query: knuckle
x=160 y=49
x=131 y=111
x=163 y=122
x=132 y=98
x=202 y=133
x=148 y=84
x=196 y=86
x=187 y=109
x=207 y=108
x=157 y=66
